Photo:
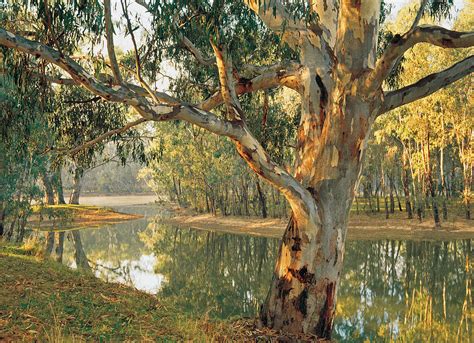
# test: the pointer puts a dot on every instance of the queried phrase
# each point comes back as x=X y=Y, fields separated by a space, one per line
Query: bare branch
x=427 y=85
x=419 y=14
x=204 y=60
x=224 y=66
x=137 y=54
x=105 y=136
x=289 y=77
x=434 y=35
x=249 y=148
x=109 y=29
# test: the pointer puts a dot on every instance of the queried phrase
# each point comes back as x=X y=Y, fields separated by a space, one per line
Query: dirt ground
x=361 y=227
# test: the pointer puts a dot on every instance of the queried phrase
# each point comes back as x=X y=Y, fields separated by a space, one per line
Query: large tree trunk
x=302 y=297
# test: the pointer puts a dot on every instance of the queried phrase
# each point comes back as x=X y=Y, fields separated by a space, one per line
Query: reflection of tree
x=414 y=291
x=207 y=272
x=110 y=250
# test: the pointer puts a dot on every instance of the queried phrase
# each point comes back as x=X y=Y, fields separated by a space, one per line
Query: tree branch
x=428 y=85
x=204 y=60
x=289 y=77
x=79 y=75
x=106 y=135
x=109 y=29
x=275 y=16
x=434 y=35
x=250 y=149
x=419 y=14
x=224 y=67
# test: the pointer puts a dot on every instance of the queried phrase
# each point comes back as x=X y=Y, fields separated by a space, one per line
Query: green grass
x=46 y=301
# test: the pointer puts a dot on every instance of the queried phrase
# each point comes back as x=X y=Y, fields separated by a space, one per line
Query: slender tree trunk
x=8 y=234
x=48 y=188
x=467 y=193
x=2 y=218
x=58 y=187
x=262 y=199
x=406 y=186
x=21 y=228
x=392 y=199
x=77 y=185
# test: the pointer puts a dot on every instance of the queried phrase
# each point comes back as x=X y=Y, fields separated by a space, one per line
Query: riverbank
x=41 y=300
x=76 y=216
x=361 y=226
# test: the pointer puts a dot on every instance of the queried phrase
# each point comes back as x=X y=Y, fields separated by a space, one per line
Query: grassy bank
x=47 y=302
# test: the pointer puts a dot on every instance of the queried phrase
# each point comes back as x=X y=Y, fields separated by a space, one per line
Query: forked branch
x=109 y=30
x=434 y=35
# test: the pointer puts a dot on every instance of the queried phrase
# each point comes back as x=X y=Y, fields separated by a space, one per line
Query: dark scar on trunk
x=323 y=99
x=324 y=326
x=300 y=302
x=302 y=275
x=297 y=245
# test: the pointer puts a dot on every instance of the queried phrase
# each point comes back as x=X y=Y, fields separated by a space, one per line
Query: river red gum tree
x=340 y=83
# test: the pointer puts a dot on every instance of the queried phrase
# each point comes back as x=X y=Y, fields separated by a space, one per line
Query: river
x=404 y=290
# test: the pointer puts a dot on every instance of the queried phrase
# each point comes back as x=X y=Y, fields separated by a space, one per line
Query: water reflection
x=412 y=291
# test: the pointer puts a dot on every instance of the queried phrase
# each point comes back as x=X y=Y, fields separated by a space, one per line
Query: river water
x=412 y=291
